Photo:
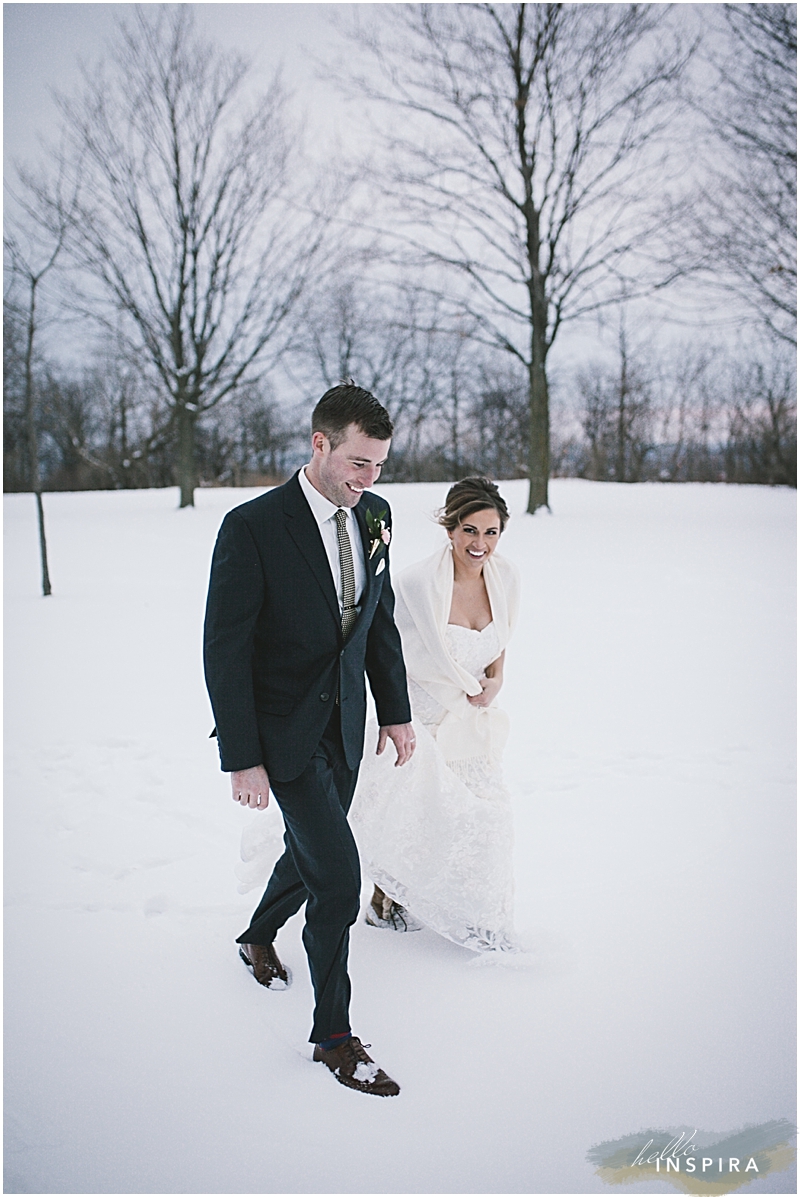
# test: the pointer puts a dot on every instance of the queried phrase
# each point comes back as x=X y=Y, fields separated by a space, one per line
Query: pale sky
x=45 y=43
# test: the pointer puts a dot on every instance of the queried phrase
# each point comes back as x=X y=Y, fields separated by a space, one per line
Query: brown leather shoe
x=351 y=1066
x=266 y=967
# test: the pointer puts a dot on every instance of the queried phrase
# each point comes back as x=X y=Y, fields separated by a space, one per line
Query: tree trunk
x=43 y=545
x=33 y=439
x=187 y=473
x=622 y=473
x=539 y=449
x=454 y=429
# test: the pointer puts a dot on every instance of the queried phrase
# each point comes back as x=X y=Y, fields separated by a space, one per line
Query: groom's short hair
x=348 y=404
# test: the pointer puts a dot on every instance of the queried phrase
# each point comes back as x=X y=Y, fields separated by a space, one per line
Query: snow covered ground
x=651 y=692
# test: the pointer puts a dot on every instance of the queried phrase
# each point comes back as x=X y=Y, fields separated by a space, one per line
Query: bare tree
x=530 y=137
x=498 y=419
x=250 y=441
x=187 y=223
x=109 y=426
x=742 y=238
x=388 y=337
x=693 y=413
x=363 y=328
x=617 y=415
x=689 y=407
x=762 y=432
x=132 y=419
x=36 y=232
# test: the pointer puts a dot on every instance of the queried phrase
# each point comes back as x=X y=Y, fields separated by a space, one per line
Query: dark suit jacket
x=274 y=655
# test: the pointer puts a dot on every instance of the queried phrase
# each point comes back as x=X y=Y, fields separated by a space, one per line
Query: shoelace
x=359 y=1066
x=357 y=1050
x=392 y=912
x=396 y=915
x=274 y=963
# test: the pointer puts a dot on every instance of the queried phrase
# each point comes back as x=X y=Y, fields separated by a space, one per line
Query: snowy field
x=651 y=691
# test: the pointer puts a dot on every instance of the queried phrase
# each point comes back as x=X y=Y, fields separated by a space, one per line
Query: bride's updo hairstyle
x=466 y=497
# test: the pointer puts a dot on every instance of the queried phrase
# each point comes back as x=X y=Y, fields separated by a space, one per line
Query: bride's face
x=475 y=539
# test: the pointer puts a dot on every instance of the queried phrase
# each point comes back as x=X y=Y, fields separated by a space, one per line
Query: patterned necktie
x=349 y=612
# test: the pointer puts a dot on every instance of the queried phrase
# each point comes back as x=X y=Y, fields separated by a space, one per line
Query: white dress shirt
x=324 y=512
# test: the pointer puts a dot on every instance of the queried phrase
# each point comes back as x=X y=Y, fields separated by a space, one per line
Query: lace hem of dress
x=477 y=939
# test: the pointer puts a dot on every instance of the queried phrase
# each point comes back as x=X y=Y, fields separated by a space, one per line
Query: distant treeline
x=532 y=167
x=690 y=416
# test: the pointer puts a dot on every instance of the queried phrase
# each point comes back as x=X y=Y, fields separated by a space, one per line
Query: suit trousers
x=319 y=867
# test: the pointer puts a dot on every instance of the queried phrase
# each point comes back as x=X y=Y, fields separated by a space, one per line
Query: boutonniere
x=379 y=534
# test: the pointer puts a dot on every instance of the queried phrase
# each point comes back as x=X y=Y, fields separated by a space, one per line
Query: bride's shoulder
x=424 y=569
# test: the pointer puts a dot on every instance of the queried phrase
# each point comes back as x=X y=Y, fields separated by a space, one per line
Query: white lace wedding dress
x=437 y=837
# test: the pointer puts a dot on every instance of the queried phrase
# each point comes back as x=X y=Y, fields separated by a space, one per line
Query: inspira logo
x=697 y=1161
x=676 y=1153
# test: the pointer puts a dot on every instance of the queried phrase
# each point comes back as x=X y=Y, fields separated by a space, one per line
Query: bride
x=436 y=837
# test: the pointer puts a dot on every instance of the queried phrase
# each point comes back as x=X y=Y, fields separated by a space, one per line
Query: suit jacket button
x=324 y=697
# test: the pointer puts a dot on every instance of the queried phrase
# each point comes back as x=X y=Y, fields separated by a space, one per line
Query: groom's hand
x=250 y=787
x=403 y=738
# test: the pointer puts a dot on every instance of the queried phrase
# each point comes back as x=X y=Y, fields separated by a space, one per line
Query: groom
x=300 y=607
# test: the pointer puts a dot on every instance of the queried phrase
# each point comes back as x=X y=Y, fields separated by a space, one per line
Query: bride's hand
x=490 y=688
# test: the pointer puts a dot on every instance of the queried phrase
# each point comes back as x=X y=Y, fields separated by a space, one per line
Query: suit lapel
x=369 y=566
x=304 y=531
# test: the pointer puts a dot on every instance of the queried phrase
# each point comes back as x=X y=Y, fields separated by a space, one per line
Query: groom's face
x=344 y=473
